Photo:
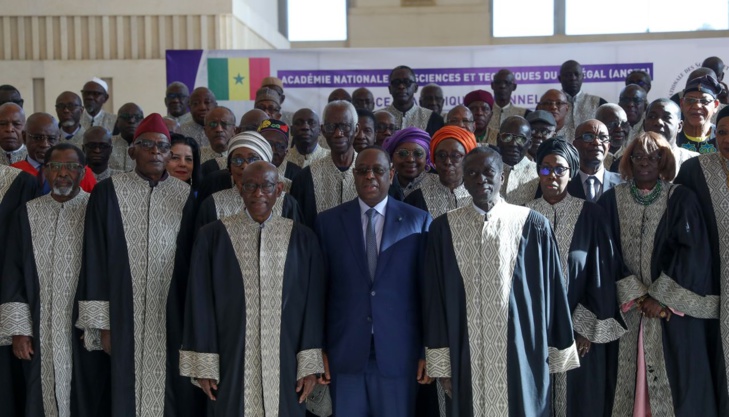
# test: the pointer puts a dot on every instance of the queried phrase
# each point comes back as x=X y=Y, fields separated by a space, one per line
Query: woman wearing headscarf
x=587 y=254
x=243 y=149
x=661 y=364
x=409 y=150
x=444 y=191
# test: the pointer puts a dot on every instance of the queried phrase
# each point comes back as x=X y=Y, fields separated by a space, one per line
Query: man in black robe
x=496 y=316
x=133 y=279
x=255 y=307
x=38 y=290
x=16 y=188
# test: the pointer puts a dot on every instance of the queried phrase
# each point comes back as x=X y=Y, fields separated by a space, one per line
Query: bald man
x=362 y=98
x=12 y=123
x=130 y=115
x=462 y=117
x=616 y=121
x=592 y=141
x=69 y=110
x=431 y=97
x=219 y=128
x=555 y=102
x=177 y=101
x=520 y=180
x=634 y=99
x=40 y=134
x=504 y=85
x=582 y=106
x=339 y=94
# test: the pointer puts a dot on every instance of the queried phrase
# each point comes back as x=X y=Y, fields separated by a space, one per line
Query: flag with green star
x=236 y=78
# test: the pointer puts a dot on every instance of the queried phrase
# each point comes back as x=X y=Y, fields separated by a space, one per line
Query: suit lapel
x=390 y=235
x=352 y=226
x=575 y=188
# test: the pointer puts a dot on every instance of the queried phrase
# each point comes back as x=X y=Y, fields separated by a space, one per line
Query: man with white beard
x=37 y=295
x=69 y=109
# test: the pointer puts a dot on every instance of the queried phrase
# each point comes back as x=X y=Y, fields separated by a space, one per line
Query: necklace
x=648 y=199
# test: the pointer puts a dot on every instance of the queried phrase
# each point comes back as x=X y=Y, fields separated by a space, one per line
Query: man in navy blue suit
x=373 y=248
x=592 y=141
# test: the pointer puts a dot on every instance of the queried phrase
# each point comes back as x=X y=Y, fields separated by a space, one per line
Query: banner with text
x=309 y=75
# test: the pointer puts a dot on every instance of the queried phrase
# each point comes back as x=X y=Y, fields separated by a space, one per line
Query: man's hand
x=447 y=386
x=423 y=377
x=583 y=345
x=106 y=341
x=653 y=309
x=326 y=377
x=208 y=385
x=305 y=385
x=23 y=347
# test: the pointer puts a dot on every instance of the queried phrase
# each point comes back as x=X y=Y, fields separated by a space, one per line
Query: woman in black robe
x=661 y=364
x=586 y=251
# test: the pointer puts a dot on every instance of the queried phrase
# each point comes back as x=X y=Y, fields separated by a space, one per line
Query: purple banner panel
x=454 y=76
x=182 y=66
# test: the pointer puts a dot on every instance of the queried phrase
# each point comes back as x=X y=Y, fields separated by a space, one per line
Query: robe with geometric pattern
x=133 y=282
x=495 y=307
x=254 y=314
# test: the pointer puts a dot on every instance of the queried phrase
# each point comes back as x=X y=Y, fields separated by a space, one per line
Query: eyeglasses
x=92 y=93
x=68 y=106
x=652 y=159
x=383 y=127
x=302 y=122
x=60 y=166
x=552 y=104
x=629 y=100
x=407 y=82
x=148 y=145
x=405 y=153
x=266 y=188
x=542 y=132
x=518 y=139
x=590 y=137
x=332 y=127
x=175 y=96
x=443 y=156
x=558 y=171
x=224 y=125
x=616 y=124
x=377 y=170
x=238 y=161
x=44 y=138
x=131 y=117
x=691 y=101
x=459 y=121
x=97 y=146
x=269 y=109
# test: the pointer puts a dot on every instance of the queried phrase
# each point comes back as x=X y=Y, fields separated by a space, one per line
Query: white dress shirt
x=379 y=219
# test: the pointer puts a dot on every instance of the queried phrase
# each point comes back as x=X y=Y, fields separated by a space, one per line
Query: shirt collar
x=35 y=164
x=598 y=175
x=380 y=207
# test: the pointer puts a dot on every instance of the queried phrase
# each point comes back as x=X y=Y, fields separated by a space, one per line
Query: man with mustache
x=329 y=181
x=95 y=94
x=177 y=101
x=12 y=123
x=496 y=317
x=219 y=128
x=555 y=102
x=592 y=141
x=38 y=290
x=69 y=110
x=134 y=277
x=521 y=181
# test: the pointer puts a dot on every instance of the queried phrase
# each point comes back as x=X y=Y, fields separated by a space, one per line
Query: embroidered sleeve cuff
x=629 y=288
x=673 y=295
x=438 y=362
x=563 y=360
x=93 y=315
x=15 y=320
x=200 y=365
x=586 y=323
x=309 y=362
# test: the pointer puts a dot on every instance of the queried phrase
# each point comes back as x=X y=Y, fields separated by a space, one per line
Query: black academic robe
x=163 y=213
x=705 y=177
x=679 y=377
x=526 y=305
x=292 y=170
x=589 y=263
x=211 y=166
x=16 y=188
x=333 y=186
x=225 y=299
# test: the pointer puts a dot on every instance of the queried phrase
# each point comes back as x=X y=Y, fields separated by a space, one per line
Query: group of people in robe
x=491 y=260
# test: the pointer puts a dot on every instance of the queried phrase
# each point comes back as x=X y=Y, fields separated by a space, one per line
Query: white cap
x=102 y=83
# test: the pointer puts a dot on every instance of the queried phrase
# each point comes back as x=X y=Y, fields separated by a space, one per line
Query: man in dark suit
x=592 y=141
x=373 y=250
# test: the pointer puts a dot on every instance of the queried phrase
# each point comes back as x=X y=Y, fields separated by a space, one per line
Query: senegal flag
x=236 y=78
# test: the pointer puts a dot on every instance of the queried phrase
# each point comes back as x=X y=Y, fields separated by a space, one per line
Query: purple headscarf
x=408 y=135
